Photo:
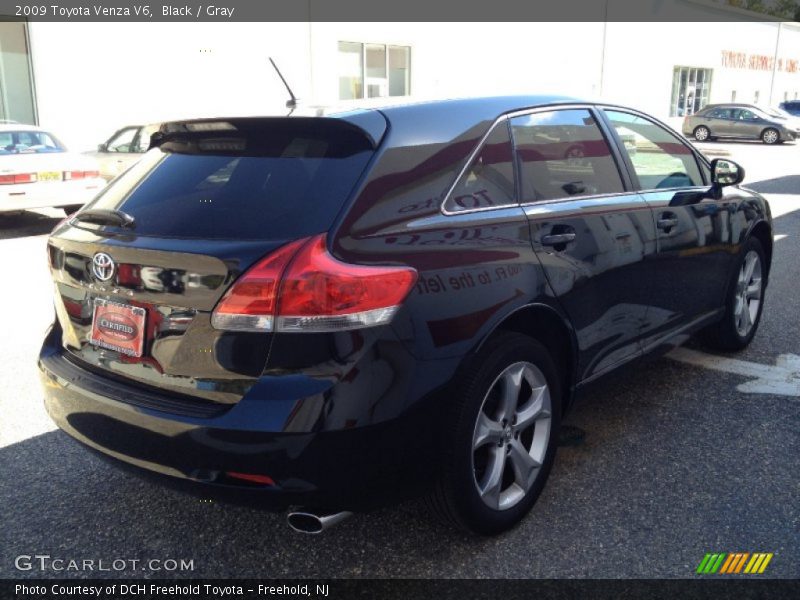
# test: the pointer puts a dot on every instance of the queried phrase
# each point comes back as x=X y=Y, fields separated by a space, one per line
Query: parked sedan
x=122 y=149
x=739 y=121
x=37 y=171
x=329 y=313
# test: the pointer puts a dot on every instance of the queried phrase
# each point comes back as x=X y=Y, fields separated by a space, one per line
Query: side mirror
x=102 y=148
x=725 y=172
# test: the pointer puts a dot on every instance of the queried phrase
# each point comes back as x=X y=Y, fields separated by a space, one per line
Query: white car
x=37 y=171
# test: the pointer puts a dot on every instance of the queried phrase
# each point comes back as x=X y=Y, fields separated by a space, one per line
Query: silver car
x=739 y=121
x=123 y=149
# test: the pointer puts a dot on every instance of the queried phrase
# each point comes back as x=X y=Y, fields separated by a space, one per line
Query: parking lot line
x=781 y=379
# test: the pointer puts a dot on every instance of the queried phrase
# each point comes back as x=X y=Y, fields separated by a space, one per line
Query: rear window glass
x=247 y=181
x=489 y=180
x=28 y=142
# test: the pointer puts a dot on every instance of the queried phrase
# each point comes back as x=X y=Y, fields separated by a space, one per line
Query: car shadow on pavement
x=788 y=184
x=18 y=225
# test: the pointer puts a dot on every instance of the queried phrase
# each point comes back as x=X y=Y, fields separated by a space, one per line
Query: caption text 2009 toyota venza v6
x=331 y=312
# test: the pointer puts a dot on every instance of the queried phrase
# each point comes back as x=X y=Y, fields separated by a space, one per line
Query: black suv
x=333 y=312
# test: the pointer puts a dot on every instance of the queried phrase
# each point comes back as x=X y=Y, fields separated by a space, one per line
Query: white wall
x=787 y=85
x=468 y=59
x=640 y=58
x=92 y=78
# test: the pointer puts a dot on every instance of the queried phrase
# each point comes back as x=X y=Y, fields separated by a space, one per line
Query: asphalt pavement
x=676 y=462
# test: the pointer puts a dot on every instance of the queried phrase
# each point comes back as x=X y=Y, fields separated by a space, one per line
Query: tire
x=71 y=209
x=473 y=456
x=744 y=302
x=770 y=136
x=701 y=133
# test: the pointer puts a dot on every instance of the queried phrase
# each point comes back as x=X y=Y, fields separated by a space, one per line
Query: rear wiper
x=105 y=216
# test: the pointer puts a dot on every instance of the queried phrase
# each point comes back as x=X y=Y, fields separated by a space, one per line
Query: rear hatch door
x=212 y=198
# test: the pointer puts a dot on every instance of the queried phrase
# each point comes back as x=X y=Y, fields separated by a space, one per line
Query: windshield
x=28 y=142
x=266 y=181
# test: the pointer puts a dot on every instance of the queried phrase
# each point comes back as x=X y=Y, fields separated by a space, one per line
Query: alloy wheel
x=511 y=435
x=770 y=136
x=701 y=134
x=748 y=293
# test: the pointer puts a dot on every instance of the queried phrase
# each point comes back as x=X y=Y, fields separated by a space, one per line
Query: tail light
x=302 y=288
x=70 y=175
x=18 y=178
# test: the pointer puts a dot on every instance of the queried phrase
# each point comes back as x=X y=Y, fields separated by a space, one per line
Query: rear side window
x=257 y=181
x=660 y=159
x=28 y=142
x=563 y=153
x=489 y=180
x=745 y=115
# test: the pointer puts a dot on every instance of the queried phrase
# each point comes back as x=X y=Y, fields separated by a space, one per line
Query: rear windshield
x=264 y=180
x=28 y=142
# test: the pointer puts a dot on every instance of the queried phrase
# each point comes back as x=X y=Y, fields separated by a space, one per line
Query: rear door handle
x=666 y=222
x=555 y=239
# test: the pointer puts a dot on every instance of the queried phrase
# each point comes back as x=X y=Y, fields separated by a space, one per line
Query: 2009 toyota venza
x=330 y=312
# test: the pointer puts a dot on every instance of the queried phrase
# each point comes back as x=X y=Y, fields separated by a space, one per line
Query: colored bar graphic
x=702 y=566
x=741 y=562
x=735 y=557
x=718 y=564
x=766 y=562
x=710 y=564
x=729 y=563
x=752 y=563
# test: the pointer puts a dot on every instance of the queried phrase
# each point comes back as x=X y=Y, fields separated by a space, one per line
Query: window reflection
x=562 y=153
x=659 y=158
x=489 y=180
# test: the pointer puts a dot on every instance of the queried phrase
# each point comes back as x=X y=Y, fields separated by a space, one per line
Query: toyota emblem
x=103 y=266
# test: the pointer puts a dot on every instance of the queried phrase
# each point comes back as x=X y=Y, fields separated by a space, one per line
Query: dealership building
x=85 y=80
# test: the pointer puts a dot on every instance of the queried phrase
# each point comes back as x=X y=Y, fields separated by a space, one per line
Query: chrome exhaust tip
x=312 y=523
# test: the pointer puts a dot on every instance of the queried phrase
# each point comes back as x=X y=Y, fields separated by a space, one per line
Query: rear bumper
x=354 y=469
x=29 y=196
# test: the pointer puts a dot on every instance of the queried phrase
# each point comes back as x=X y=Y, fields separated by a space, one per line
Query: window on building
x=16 y=88
x=659 y=158
x=562 y=153
x=399 y=70
x=373 y=70
x=351 y=72
x=733 y=96
x=756 y=97
x=690 y=90
x=489 y=180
